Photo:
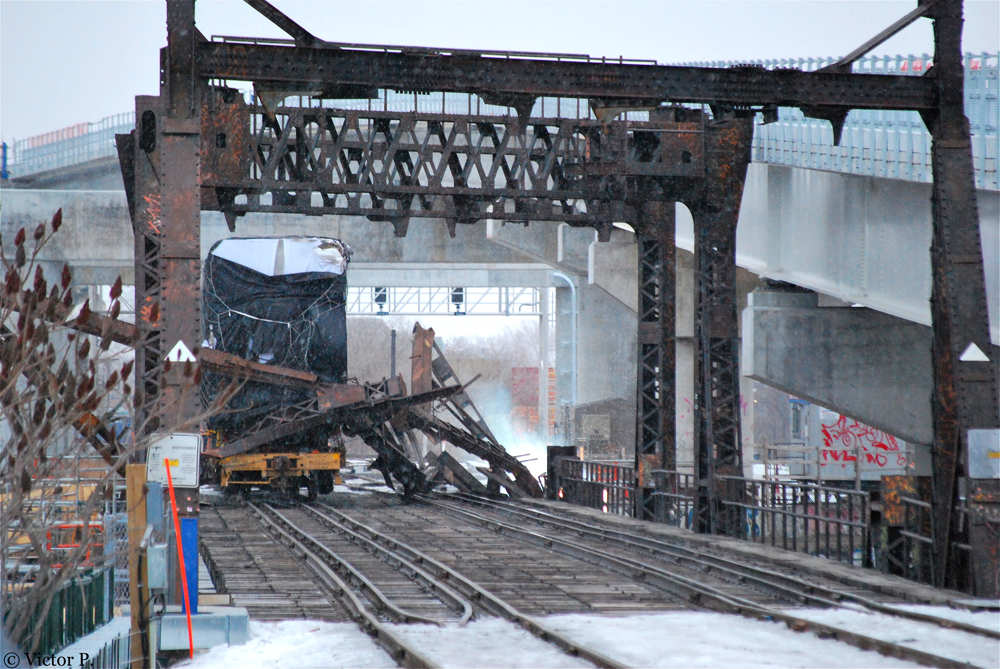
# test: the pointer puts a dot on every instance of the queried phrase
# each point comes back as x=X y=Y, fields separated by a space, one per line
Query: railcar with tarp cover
x=275 y=301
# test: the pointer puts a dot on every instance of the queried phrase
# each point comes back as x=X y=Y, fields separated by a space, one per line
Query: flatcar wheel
x=324 y=482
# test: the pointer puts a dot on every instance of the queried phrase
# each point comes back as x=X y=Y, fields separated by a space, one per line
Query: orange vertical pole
x=180 y=556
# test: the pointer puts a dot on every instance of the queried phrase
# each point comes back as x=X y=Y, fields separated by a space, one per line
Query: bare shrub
x=60 y=394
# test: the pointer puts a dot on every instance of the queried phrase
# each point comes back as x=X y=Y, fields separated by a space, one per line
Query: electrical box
x=156 y=566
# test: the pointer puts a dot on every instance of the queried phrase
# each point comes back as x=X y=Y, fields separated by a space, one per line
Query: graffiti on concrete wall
x=844 y=439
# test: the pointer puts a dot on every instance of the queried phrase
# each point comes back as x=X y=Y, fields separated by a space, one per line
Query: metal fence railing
x=824 y=521
x=68 y=146
x=79 y=607
x=116 y=548
x=607 y=487
x=829 y=522
x=115 y=654
x=908 y=552
x=672 y=499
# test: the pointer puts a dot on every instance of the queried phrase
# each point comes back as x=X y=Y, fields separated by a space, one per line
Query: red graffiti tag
x=843 y=438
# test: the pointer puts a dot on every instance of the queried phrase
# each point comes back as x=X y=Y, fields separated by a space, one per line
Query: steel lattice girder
x=646 y=85
x=146 y=224
x=656 y=446
x=393 y=166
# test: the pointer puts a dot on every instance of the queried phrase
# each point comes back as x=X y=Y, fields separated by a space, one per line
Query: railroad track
x=807 y=588
x=380 y=580
x=259 y=574
x=447 y=559
x=618 y=548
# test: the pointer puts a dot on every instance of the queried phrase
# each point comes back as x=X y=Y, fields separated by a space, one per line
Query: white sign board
x=984 y=454
x=183 y=451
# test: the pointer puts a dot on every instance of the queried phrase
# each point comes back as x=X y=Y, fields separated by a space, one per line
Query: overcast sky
x=63 y=62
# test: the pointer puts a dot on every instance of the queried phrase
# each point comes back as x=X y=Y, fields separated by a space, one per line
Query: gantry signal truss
x=462 y=301
x=195 y=147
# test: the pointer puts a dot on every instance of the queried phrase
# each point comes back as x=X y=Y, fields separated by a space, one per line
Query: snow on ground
x=954 y=644
x=379 y=488
x=986 y=619
x=485 y=643
x=347 y=489
x=660 y=640
x=697 y=639
x=96 y=640
x=303 y=644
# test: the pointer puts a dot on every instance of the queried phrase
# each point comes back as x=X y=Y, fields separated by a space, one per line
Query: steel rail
x=400 y=563
x=697 y=593
x=731 y=573
x=795 y=587
x=397 y=648
x=375 y=596
x=482 y=597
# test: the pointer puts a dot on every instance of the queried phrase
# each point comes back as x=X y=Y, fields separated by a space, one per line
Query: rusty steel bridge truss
x=199 y=146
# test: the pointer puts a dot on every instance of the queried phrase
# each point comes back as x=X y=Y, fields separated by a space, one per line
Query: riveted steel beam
x=438 y=70
x=965 y=384
x=717 y=435
x=394 y=166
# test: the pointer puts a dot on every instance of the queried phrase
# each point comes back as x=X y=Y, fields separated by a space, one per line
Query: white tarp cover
x=287 y=255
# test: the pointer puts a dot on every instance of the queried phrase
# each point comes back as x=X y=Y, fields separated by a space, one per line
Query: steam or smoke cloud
x=491 y=355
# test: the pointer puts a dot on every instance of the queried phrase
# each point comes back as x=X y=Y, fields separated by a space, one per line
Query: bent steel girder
x=394 y=166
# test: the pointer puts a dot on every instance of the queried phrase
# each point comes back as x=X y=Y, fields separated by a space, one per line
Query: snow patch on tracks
x=988 y=620
x=927 y=637
x=486 y=643
x=304 y=644
x=696 y=639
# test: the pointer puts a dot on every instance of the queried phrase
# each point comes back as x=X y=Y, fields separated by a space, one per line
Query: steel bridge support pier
x=717 y=440
x=965 y=385
x=656 y=446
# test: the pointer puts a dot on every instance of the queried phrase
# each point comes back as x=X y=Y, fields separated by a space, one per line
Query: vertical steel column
x=655 y=431
x=180 y=241
x=180 y=234
x=965 y=391
x=147 y=223
x=717 y=442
